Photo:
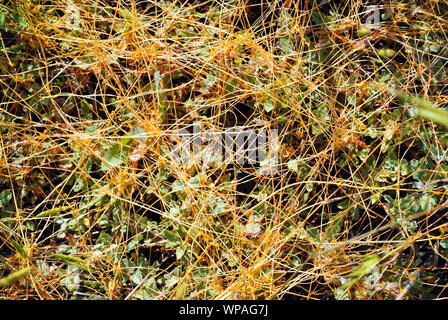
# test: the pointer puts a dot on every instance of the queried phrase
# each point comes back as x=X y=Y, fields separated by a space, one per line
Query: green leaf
x=317 y=17
x=427 y=202
x=148 y=291
x=5 y=197
x=139 y=134
x=180 y=253
x=269 y=105
x=293 y=165
x=313 y=232
x=134 y=242
x=219 y=207
x=172 y=236
x=386 y=15
x=444 y=243
x=18 y=19
x=344 y=204
x=286 y=45
x=334 y=227
x=3 y=22
x=104 y=238
x=231 y=259
x=115 y=156
x=231 y=85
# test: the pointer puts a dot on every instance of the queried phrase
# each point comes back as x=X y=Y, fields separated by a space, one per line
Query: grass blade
x=426 y=109
x=13 y=277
